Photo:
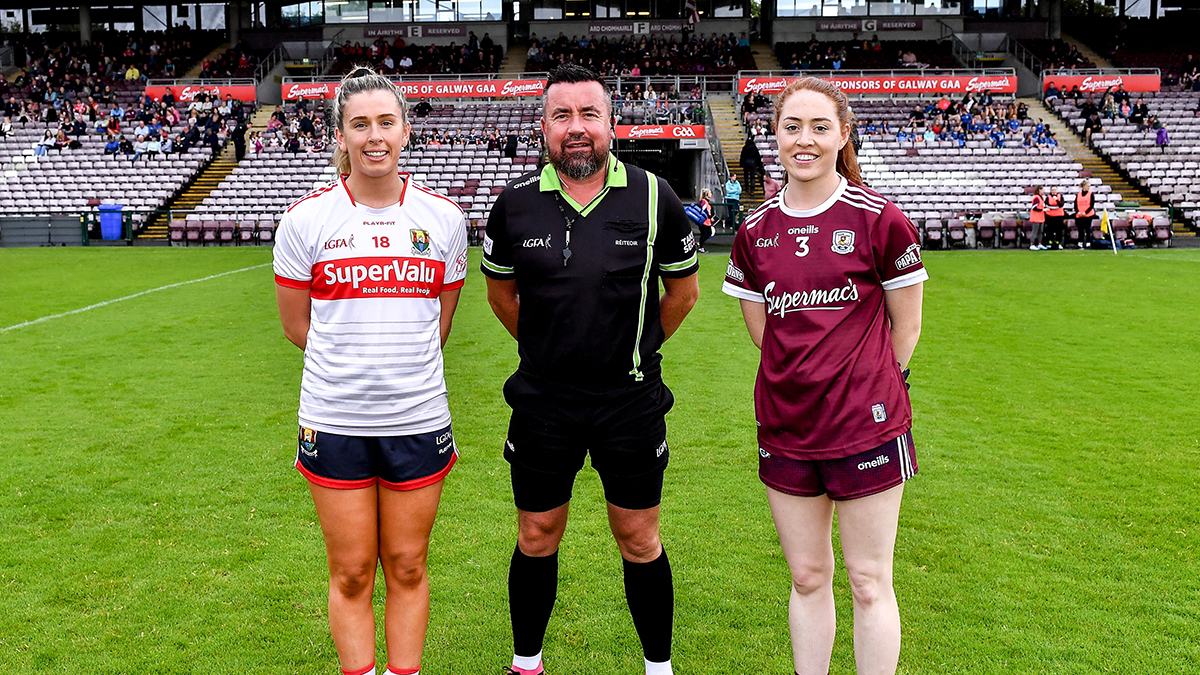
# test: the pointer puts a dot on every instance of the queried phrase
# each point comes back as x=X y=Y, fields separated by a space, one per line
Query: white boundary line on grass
x=128 y=297
x=1163 y=258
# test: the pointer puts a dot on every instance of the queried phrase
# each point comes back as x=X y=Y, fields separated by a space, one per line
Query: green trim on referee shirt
x=683 y=265
x=652 y=184
x=616 y=177
x=499 y=269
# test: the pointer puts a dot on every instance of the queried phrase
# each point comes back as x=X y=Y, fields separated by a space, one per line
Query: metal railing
x=265 y=66
x=1026 y=57
x=7 y=57
x=203 y=81
x=327 y=59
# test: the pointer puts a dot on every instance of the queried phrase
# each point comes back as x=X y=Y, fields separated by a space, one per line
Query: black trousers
x=1084 y=223
x=1055 y=230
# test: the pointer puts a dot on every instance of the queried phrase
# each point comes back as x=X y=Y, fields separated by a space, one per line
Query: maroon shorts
x=861 y=475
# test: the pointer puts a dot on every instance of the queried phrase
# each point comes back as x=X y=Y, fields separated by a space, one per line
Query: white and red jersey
x=373 y=361
x=828 y=382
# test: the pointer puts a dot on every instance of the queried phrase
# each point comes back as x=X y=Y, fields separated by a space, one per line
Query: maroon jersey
x=828 y=382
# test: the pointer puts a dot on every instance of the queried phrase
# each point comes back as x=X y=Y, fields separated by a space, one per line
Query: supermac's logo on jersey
x=734 y=273
x=812 y=300
x=912 y=256
x=420 y=242
x=843 y=241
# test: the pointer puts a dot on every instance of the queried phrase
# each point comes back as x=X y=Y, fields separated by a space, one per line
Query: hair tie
x=359 y=72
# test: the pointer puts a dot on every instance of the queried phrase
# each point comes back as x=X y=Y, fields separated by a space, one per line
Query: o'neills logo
x=878 y=461
x=805 y=301
x=319 y=90
x=513 y=88
x=757 y=86
x=190 y=93
x=987 y=83
x=1100 y=83
x=640 y=131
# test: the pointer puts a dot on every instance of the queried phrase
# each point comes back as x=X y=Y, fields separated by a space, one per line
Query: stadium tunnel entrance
x=680 y=166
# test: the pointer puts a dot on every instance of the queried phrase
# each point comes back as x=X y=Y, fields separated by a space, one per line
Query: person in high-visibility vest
x=1037 y=216
x=1055 y=217
x=1085 y=212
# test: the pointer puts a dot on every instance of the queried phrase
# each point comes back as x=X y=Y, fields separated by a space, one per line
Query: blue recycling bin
x=110 y=221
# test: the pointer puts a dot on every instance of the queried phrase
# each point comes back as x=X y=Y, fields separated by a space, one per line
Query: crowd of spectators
x=400 y=58
x=1058 y=55
x=974 y=117
x=643 y=56
x=1115 y=103
x=146 y=128
x=860 y=53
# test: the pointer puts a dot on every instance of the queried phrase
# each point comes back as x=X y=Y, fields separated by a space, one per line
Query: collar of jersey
x=616 y=177
x=816 y=210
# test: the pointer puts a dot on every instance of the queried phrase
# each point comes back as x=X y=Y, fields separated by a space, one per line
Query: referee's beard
x=578 y=163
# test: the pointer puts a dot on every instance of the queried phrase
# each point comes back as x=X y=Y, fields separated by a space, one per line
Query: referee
x=573 y=256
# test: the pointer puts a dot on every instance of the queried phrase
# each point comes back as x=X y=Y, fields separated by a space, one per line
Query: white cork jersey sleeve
x=373 y=360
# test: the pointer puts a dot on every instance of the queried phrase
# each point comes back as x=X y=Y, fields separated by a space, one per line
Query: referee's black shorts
x=554 y=427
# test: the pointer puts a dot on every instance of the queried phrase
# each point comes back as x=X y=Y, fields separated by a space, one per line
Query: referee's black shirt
x=594 y=321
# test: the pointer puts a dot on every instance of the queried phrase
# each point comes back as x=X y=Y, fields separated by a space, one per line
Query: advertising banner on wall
x=1099 y=83
x=185 y=93
x=634 y=27
x=867 y=25
x=659 y=131
x=416 y=30
x=437 y=89
x=884 y=84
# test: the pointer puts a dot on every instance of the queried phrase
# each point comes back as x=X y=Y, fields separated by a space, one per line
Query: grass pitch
x=150 y=520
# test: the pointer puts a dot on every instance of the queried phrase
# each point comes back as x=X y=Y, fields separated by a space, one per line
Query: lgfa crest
x=420 y=241
x=843 y=241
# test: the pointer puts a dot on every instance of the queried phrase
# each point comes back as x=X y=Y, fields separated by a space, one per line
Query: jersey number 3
x=802 y=244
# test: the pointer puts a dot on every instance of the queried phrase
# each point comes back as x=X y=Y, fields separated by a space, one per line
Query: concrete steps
x=212 y=56
x=764 y=56
x=1087 y=52
x=514 y=60
x=193 y=195
x=729 y=129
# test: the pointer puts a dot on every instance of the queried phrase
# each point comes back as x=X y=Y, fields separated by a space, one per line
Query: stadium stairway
x=514 y=60
x=729 y=130
x=764 y=56
x=1073 y=144
x=1087 y=52
x=212 y=56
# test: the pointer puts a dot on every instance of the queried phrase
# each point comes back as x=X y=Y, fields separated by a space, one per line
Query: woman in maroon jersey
x=830 y=278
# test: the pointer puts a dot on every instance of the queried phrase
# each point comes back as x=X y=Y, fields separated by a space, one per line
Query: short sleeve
x=674 y=246
x=497 y=253
x=293 y=258
x=456 y=253
x=897 y=250
x=740 y=281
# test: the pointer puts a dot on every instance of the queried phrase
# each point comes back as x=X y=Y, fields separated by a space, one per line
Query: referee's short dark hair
x=570 y=73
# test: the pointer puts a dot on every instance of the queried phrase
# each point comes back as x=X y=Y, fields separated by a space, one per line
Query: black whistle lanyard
x=569 y=221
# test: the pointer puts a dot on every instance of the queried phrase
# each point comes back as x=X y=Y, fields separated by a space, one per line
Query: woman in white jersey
x=830 y=277
x=368 y=270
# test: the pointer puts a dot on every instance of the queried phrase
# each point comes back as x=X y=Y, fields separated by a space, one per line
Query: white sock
x=527 y=662
x=663 y=668
x=389 y=671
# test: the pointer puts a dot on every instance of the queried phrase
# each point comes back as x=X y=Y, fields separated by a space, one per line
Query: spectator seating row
x=1018 y=234
x=930 y=53
x=221 y=232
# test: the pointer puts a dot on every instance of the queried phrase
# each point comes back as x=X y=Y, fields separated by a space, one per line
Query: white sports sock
x=389 y=671
x=663 y=668
x=527 y=662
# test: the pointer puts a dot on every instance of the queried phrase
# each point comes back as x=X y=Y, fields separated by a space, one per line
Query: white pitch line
x=128 y=297
x=1162 y=258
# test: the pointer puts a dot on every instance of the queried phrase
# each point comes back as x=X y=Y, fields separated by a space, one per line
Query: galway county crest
x=843 y=241
x=420 y=241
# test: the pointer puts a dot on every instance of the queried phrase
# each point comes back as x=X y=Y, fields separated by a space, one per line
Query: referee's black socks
x=532 y=589
x=651 y=598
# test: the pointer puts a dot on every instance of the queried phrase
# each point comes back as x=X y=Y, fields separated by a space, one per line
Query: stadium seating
x=1169 y=173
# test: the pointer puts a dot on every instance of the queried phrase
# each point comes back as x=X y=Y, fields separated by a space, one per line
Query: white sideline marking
x=128 y=297
x=1165 y=258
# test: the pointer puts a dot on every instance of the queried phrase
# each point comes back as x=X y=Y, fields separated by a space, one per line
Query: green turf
x=150 y=520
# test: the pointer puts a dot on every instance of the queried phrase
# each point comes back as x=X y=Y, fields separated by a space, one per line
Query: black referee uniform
x=588 y=330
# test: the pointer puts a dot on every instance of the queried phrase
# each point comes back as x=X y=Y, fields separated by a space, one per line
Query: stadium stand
x=864 y=55
x=644 y=57
x=476 y=56
x=1169 y=171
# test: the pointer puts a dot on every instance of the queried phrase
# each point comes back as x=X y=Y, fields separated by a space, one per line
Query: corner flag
x=1104 y=227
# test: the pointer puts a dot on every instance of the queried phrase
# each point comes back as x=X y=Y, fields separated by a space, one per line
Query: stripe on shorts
x=906 y=471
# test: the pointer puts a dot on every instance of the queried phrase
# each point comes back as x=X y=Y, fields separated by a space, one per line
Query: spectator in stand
x=771 y=187
x=125 y=146
x=239 y=140
x=6 y=129
x=707 y=229
x=211 y=140
x=45 y=144
x=1085 y=212
x=1052 y=94
x=1091 y=126
x=1162 y=139
x=1140 y=112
